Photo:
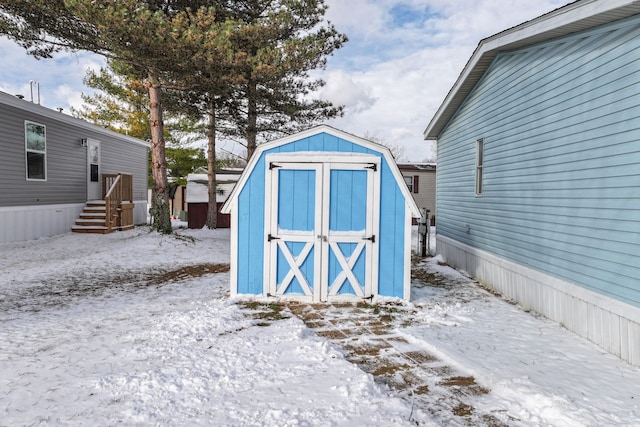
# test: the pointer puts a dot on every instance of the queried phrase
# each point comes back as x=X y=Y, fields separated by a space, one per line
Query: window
x=409 y=181
x=412 y=183
x=36 y=151
x=479 y=164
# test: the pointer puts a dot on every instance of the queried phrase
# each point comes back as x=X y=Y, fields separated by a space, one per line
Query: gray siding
x=65 y=159
x=561 y=125
x=121 y=156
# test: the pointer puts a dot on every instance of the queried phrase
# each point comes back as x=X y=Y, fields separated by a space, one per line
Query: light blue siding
x=296 y=205
x=251 y=232
x=348 y=200
x=561 y=181
x=392 y=223
x=251 y=208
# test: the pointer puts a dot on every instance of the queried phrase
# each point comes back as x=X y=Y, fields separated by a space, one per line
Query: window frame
x=479 y=166
x=408 y=180
x=28 y=150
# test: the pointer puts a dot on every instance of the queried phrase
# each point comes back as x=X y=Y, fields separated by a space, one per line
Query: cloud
x=70 y=95
x=59 y=79
x=402 y=58
x=406 y=55
x=406 y=91
x=341 y=89
x=363 y=18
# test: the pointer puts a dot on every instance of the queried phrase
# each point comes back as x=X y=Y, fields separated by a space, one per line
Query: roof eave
x=229 y=205
x=16 y=102
x=568 y=19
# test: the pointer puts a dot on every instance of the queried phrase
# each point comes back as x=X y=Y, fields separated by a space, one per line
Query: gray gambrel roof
x=572 y=18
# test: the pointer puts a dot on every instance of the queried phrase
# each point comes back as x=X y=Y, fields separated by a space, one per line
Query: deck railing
x=117 y=188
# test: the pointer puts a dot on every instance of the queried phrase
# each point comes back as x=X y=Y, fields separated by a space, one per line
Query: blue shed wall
x=251 y=232
x=561 y=125
x=251 y=208
x=392 y=225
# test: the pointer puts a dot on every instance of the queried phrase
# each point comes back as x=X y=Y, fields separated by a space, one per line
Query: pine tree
x=120 y=102
x=156 y=39
x=278 y=44
x=120 y=105
x=241 y=65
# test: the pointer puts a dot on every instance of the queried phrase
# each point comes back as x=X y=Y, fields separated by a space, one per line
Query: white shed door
x=321 y=239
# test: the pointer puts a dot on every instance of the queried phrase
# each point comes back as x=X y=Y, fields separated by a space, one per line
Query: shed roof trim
x=572 y=18
x=227 y=207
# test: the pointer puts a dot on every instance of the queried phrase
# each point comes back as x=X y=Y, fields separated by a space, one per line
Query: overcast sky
x=401 y=60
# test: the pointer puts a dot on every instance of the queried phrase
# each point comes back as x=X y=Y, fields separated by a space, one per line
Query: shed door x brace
x=321 y=229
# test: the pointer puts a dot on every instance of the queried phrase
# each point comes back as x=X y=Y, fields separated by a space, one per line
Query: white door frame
x=279 y=237
x=365 y=238
x=322 y=239
x=93 y=158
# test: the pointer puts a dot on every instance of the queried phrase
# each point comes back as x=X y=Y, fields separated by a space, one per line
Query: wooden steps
x=92 y=218
x=113 y=212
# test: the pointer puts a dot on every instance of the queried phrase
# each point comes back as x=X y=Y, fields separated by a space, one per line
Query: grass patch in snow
x=64 y=291
x=423 y=277
x=265 y=312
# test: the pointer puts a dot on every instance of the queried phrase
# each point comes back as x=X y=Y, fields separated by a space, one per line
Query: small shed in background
x=321 y=215
x=197 y=196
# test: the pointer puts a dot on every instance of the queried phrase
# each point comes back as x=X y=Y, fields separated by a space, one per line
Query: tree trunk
x=212 y=212
x=252 y=118
x=160 y=199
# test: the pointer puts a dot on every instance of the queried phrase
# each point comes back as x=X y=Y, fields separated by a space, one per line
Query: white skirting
x=19 y=223
x=31 y=222
x=140 y=212
x=609 y=323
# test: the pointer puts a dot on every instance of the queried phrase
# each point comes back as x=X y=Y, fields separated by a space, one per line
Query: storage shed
x=321 y=215
x=198 y=196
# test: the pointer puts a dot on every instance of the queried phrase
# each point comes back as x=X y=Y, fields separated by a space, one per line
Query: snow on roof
x=426 y=167
x=198 y=189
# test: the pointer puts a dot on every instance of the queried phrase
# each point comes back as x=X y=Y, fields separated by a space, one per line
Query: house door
x=93 y=170
x=321 y=229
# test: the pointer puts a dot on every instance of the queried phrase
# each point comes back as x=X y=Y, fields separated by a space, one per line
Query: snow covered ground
x=127 y=328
